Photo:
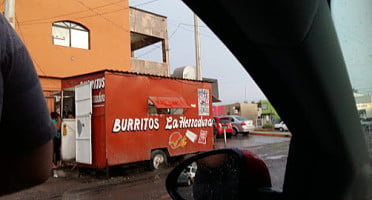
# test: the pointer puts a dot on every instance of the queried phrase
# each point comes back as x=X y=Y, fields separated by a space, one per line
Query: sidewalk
x=271 y=133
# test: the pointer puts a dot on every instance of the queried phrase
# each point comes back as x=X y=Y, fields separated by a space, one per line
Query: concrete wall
x=147 y=23
x=364 y=105
x=149 y=67
x=363 y=99
x=231 y=109
x=247 y=110
x=146 y=29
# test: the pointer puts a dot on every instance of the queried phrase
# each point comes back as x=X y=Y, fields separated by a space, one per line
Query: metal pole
x=9 y=11
x=62 y=96
x=224 y=135
x=245 y=93
x=197 y=48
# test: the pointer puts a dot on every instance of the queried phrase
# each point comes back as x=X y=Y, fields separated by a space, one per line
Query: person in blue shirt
x=57 y=139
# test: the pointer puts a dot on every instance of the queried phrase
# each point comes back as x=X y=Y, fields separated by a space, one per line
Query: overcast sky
x=353 y=20
x=235 y=84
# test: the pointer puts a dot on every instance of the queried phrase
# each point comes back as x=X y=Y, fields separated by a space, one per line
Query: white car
x=186 y=178
x=241 y=124
x=281 y=126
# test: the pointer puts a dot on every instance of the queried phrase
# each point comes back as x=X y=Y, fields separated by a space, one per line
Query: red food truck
x=123 y=117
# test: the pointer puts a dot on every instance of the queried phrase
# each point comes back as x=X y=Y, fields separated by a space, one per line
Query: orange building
x=67 y=38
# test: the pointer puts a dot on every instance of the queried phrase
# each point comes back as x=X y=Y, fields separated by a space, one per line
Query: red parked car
x=219 y=123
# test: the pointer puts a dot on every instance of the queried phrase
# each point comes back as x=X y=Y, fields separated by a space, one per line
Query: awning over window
x=169 y=102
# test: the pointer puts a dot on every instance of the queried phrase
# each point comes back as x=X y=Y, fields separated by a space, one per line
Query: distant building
x=268 y=112
x=246 y=110
x=219 y=110
x=215 y=93
x=364 y=105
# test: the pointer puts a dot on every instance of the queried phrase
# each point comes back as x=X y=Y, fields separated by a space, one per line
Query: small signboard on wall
x=203 y=102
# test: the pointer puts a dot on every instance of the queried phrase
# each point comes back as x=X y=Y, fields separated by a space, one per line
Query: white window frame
x=70 y=26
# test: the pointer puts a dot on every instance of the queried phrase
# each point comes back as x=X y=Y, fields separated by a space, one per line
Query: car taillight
x=243 y=124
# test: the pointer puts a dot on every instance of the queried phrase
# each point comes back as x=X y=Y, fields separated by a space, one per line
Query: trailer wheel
x=158 y=160
x=235 y=132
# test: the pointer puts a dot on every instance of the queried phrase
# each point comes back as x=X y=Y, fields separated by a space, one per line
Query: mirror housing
x=250 y=174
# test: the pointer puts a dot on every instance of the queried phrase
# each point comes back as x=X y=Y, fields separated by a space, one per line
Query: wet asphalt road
x=142 y=184
x=272 y=149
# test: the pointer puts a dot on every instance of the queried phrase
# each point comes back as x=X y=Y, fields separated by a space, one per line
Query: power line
x=145 y=3
x=174 y=32
x=149 y=51
x=83 y=17
x=42 y=20
x=190 y=25
x=133 y=1
x=158 y=46
x=186 y=24
x=105 y=18
x=179 y=26
x=200 y=26
x=24 y=40
x=71 y=13
x=202 y=34
x=95 y=15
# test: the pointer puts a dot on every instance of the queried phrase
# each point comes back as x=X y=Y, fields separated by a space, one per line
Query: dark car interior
x=292 y=46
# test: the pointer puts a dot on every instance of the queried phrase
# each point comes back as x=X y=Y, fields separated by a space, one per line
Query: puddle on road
x=262 y=155
x=275 y=157
x=248 y=141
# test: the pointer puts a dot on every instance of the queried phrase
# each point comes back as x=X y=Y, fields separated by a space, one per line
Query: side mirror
x=221 y=174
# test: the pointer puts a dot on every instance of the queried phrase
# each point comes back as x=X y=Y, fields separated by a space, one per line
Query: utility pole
x=197 y=48
x=9 y=11
x=245 y=93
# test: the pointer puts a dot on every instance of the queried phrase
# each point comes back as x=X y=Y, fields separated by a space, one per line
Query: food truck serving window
x=167 y=105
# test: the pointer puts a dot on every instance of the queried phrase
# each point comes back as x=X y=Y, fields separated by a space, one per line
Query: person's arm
x=26 y=170
x=26 y=129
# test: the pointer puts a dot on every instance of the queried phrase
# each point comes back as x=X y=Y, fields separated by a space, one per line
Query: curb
x=274 y=134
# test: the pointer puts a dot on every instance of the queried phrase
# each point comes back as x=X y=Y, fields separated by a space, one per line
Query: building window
x=70 y=34
x=153 y=110
x=264 y=106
